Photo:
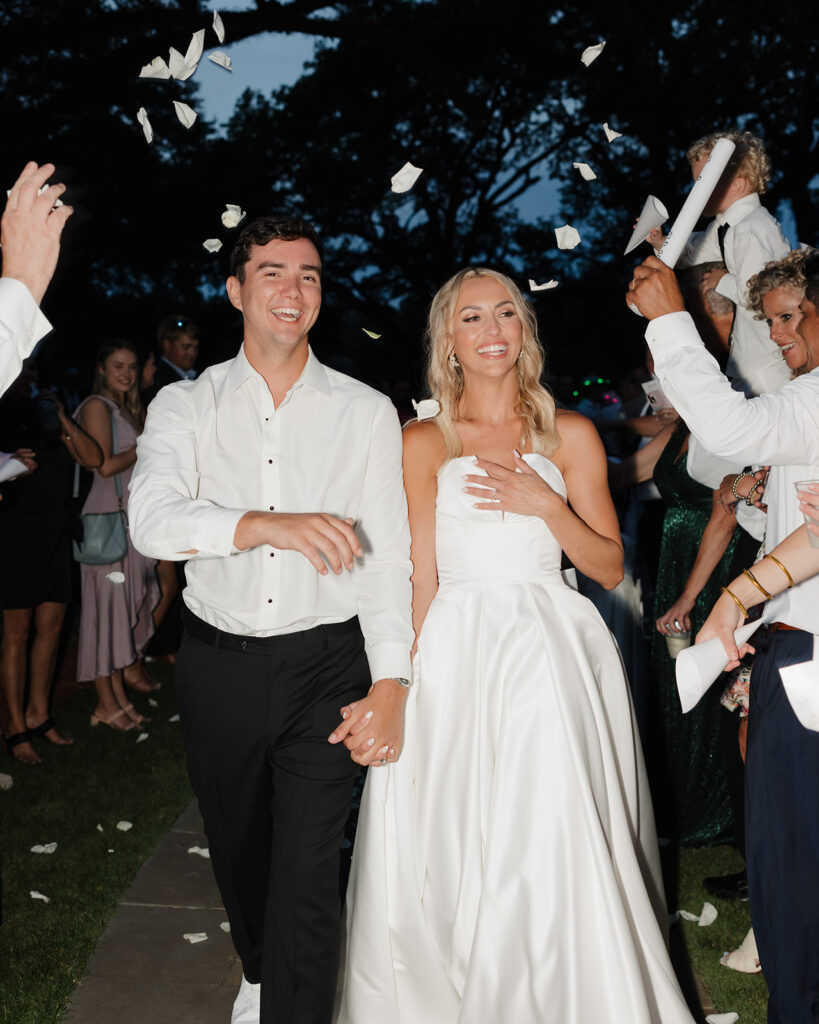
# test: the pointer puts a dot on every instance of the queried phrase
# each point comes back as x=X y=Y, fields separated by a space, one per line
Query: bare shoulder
x=576 y=429
x=424 y=448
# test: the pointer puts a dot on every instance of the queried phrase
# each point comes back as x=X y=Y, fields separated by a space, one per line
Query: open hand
x=519 y=490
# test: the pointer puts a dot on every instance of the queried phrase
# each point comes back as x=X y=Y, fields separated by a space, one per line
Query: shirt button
x=272 y=554
x=272 y=508
x=270 y=600
x=270 y=462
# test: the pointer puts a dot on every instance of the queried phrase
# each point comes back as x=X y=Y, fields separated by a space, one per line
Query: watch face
x=402 y=681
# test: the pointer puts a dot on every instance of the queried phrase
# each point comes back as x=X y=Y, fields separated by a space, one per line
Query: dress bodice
x=481 y=546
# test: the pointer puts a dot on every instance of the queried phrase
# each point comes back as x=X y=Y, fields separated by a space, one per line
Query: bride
x=506 y=867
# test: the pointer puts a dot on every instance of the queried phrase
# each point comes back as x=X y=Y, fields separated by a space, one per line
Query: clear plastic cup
x=676 y=642
x=813 y=486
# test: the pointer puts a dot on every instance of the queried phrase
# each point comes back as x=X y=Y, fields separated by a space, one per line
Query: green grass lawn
x=730 y=990
x=104 y=778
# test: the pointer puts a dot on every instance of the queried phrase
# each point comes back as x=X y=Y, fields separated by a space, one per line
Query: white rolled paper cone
x=698 y=667
x=652 y=216
x=696 y=202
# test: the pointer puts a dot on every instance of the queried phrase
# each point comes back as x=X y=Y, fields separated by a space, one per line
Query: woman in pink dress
x=116 y=621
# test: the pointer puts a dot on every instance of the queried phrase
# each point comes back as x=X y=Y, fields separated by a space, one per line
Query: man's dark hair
x=285 y=227
x=810 y=268
x=172 y=328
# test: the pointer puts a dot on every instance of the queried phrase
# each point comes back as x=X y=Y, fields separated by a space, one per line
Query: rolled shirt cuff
x=389 y=660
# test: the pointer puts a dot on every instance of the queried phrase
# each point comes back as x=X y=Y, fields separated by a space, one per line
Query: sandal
x=97 y=720
x=15 y=741
x=143 y=684
x=47 y=726
x=140 y=719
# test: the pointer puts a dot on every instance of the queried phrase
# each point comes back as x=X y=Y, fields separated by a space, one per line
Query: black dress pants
x=782 y=834
x=275 y=795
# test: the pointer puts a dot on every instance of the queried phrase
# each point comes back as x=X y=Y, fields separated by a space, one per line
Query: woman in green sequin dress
x=702 y=547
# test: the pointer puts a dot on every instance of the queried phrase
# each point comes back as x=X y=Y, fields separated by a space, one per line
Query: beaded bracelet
x=774 y=559
x=736 y=601
x=757 y=584
x=735 y=484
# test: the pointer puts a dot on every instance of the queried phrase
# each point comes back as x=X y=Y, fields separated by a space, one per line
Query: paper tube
x=694 y=204
x=652 y=216
x=698 y=667
x=11 y=468
x=801 y=684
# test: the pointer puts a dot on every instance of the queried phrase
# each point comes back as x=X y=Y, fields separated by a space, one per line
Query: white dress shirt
x=780 y=430
x=21 y=327
x=182 y=374
x=217 y=447
x=754 y=238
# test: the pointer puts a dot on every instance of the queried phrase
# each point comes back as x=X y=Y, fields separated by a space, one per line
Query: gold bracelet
x=773 y=558
x=736 y=601
x=757 y=584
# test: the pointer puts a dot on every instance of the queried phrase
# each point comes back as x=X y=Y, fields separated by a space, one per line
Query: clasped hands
x=519 y=490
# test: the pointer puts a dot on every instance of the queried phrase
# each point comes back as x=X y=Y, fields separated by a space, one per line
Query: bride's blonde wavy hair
x=535 y=404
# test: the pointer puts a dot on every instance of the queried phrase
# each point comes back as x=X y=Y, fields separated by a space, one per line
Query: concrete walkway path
x=143 y=970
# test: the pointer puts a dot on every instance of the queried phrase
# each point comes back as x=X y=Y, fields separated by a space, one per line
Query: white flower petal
x=6 y=781
x=195 y=49
x=194 y=937
x=38 y=896
x=535 y=287
x=591 y=53
x=225 y=926
x=611 y=134
x=708 y=915
x=371 y=334
x=179 y=67
x=218 y=26
x=115 y=577
x=567 y=237
x=212 y=244
x=124 y=826
x=233 y=215
x=201 y=851
x=221 y=59
x=142 y=117
x=100 y=828
x=185 y=114
x=426 y=409
x=174 y=718
x=586 y=173
x=142 y=736
x=722 y=1018
x=153 y=703
x=156 y=69
x=44 y=848
x=110 y=850
x=403 y=180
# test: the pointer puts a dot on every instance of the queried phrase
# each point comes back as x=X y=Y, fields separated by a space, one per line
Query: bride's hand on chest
x=520 y=490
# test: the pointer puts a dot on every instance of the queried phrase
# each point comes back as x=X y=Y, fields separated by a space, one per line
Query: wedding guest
x=116 y=621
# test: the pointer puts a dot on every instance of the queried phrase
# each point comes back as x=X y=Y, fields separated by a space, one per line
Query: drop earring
x=453 y=360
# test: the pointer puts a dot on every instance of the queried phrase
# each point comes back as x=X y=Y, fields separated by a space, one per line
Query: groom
x=280 y=479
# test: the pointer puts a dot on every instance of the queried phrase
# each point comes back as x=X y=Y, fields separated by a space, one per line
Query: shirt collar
x=739 y=210
x=313 y=375
x=184 y=374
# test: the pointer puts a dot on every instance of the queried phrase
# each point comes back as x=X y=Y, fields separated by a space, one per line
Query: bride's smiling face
x=486 y=329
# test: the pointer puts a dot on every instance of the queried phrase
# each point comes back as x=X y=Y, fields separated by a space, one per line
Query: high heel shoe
x=140 y=719
x=97 y=720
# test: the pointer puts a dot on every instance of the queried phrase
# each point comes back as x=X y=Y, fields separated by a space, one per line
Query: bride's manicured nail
x=383 y=750
x=332 y=737
x=344 y=715
x=370 y=742
x=368 y=716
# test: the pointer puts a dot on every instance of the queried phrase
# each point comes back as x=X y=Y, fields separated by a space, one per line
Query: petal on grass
x=201 y=851
x=38 y=896
x=194 y=937
x=44 y=848
x=125 y=826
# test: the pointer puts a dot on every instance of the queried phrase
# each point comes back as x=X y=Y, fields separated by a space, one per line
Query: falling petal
x=100 y=828
x=225 y=926
x=194 y=937
x=115 y=577
x=403 y=180
x=142 y=117
x=156 y=69
x=195 y=49
x=38 y=896
x=567 y=237
x=591 y=53
x=218 y=26
x=212 y=244
x=221 y=59
x=535 y=287
x=200 y=850
x=6 y=781
x=153 y=703
x=371 y=334
x=185 y=114
x=426 y=409
x=124 y=826
x=586 y=173
x=179 y=67
x=44 y=848
x=174 y=718
x=233 y=215
x=611 y=134
x=142 y=736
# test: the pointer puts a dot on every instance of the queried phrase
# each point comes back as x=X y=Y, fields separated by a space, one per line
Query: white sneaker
x=246 y=1007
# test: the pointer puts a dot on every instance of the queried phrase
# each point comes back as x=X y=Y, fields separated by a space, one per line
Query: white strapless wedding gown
x=506 y=866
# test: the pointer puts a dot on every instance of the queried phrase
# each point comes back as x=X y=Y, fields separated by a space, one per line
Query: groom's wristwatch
x=402 y=681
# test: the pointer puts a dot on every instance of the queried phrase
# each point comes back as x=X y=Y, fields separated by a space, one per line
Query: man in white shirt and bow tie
x=782 y=765
x=280 y=479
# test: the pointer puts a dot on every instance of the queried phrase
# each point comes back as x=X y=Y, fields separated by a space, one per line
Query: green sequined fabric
x=685 y=752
